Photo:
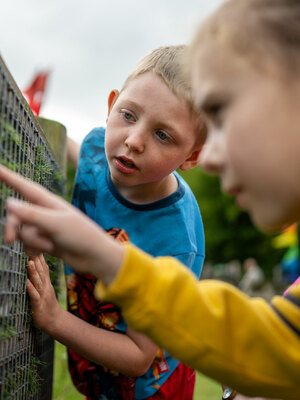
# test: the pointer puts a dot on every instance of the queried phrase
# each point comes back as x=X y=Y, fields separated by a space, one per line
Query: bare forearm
x=110 y=349
x=131 y=353
x=73 y=149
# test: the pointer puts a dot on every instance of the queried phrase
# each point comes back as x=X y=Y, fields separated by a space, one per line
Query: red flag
x=35 y=92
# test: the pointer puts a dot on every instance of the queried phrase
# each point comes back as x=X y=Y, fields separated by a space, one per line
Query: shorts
x=179 y=386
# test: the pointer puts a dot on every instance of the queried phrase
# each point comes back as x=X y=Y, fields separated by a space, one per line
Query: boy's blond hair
x=167 y=62
x=264 y=32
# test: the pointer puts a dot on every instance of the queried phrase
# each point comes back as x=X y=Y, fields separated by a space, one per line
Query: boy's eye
x=127 y=115
x=163 y=136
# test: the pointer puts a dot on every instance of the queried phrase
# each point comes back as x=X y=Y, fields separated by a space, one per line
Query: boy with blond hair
x=126 y=183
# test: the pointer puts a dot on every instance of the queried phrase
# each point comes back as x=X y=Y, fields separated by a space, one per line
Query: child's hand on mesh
x=44 y=305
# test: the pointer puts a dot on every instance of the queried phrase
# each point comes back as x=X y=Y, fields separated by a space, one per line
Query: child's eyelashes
x=163 y=136
x=128 y=116
x=214 y=111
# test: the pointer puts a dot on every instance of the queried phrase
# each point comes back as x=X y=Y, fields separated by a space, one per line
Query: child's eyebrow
x=205 y=101
x=132 y=103
x=169 y=128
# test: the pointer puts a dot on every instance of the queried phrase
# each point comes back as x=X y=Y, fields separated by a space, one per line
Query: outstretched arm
x=131 y=353
x=242 y=342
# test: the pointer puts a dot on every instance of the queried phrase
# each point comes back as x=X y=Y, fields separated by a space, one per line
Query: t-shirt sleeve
x=194 y=261
x=91 y=151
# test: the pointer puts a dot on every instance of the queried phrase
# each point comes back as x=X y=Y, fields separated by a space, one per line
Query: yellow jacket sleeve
x=242 y=342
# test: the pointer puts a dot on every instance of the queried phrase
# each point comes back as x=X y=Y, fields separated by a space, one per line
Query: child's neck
x=149 y=193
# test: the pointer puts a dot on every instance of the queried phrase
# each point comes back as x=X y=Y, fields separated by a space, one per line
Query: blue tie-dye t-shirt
x=170 y=226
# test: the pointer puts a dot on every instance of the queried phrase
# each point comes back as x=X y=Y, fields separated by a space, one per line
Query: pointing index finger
x=30 y=190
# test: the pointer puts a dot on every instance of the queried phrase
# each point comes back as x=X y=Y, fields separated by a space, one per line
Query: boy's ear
x=112 y=98
x=191 y=161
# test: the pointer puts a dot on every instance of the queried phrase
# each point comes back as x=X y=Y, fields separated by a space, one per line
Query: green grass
x=63 y=388
x=207 y=389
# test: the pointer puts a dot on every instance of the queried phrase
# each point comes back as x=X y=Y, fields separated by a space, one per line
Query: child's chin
x=268 y=225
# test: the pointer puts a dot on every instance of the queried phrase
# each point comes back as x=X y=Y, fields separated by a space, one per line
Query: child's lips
x=238 y=193
x=127 y=161
x=233 y=191
x=125 y=165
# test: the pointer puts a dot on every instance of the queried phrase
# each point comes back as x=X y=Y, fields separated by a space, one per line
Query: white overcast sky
x=90 y=47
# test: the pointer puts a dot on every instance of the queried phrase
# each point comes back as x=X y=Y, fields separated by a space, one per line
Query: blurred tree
x=229 y=232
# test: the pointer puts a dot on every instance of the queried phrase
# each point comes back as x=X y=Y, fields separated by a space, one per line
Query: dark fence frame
x=26 y=354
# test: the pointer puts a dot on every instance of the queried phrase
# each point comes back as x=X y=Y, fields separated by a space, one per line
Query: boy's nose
x=135 y=142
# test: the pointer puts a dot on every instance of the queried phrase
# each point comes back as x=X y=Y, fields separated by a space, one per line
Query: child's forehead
x=150 y=85
x=219 y=50
x=145 y=80
x=212 y=55
x=210 y=71
x=218 y=67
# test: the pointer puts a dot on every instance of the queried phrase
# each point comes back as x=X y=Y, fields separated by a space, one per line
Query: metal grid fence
x=26 y=354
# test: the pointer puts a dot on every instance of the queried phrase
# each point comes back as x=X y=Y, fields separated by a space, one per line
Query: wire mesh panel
x=26 y=354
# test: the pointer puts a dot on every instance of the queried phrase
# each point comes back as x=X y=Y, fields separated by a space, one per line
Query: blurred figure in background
x=253 y=278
